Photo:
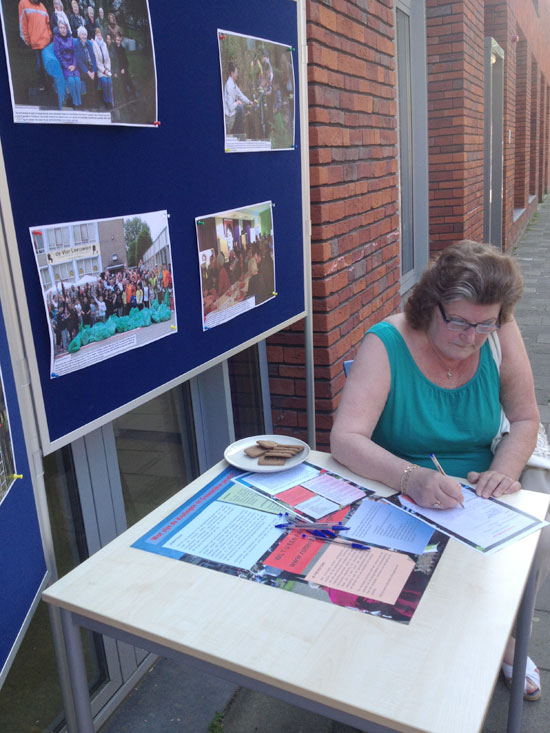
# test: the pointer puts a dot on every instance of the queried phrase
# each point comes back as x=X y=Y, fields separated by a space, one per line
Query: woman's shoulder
x=390 y=326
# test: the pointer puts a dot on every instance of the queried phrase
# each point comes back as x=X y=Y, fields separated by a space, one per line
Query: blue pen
x=312 y=525
x=340 y=541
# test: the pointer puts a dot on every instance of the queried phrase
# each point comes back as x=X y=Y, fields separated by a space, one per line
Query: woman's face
x=90 y=12
x=461 y=344
x=98 y=36
x=112 y=20
x=74 y=6
x=62 y=29
x=101 y=13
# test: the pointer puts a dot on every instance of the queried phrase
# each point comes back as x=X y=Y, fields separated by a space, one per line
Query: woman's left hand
x=493 y=483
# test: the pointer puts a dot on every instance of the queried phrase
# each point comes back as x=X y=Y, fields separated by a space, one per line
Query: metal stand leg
x=523 y=631
x=77 y=670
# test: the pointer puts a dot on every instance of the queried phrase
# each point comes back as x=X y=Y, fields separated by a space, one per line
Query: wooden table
x=435 y=674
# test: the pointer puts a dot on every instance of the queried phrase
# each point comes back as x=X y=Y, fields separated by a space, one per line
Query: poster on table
x=236 y=251
x=80 y=63
x=258 y=87
x=234 y=525
x=107 y=286
x=7 y=459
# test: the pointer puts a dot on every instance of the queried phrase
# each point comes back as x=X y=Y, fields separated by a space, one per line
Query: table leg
x=523 y=632
x=77 y=670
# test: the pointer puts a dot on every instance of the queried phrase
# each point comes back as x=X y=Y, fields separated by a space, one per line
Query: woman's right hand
x=433 y=490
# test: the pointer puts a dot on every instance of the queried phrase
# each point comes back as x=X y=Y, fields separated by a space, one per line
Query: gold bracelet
x=405 y=477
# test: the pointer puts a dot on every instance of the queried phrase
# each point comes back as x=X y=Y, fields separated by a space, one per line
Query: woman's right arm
x=363 y=400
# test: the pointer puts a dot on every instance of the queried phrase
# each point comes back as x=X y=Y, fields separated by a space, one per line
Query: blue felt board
x=22 y=564
x=64 y=173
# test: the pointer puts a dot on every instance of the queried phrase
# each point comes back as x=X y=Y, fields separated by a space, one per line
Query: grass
x=216 y=724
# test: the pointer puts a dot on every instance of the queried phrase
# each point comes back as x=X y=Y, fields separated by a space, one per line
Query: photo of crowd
x=258 y=93
x=81 y=61
x=107 y=287
x=237 y=262
x=7 y=461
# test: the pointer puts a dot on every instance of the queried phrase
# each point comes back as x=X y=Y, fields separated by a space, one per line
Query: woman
x=103 y=63
x=256 y=285
x=89 y=21
x=63 y=48
x=76 y=20
x=113 y=27
x=223 y=283
x=57 y=15
x=101 y=22
x=425 y=381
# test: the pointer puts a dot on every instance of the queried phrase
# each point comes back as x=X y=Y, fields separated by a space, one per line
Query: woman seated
x=57 y=15
x=103 y=63
x=76 y=20
x=425 y=381
x=63 y=47
x=256 y=285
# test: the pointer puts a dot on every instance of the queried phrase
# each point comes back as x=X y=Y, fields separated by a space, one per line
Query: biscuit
x=254 y=451
x=268 y=460
x=266 y=443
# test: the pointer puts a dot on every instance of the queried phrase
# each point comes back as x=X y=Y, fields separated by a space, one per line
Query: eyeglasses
x=459 y=324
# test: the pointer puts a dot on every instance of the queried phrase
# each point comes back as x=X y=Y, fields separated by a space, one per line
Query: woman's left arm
x=517 y=395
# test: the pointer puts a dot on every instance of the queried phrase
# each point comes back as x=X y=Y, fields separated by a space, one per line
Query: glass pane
x=30 y=699
x=246 y=393
x=156 y=451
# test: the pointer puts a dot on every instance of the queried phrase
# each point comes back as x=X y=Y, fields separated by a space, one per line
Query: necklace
x=447 y=368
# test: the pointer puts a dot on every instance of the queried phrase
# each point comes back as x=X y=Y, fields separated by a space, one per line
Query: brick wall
x=523 y=131
x=354 y=203
x=454 y=37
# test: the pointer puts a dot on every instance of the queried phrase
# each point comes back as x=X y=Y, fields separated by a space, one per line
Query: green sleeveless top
x=419 y=417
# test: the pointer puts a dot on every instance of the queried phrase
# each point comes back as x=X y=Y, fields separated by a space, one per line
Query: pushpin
x=222 y=36
x=156 y=123
x=54 y=375
x=17 y=475
x=275 y=293
x=200 y=222
x=173 y=328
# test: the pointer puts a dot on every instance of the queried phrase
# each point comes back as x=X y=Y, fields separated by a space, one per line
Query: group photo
x=237 y=262
x=81 y=61
x=107 y=287
x=258 y=93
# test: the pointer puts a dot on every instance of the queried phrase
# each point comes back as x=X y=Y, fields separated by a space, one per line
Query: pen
x=340 y=541
x=439 y=467
x=313 y=525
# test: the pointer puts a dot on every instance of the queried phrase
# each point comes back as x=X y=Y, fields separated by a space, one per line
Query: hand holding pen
x=439 y=467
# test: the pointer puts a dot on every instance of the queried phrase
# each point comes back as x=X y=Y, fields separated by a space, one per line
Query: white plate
x=235 y=455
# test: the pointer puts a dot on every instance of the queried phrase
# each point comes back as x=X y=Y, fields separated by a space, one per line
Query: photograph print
x=7 y=460
x=80 y=61
x=107 y=287
x=237 y=261
x=258 y=93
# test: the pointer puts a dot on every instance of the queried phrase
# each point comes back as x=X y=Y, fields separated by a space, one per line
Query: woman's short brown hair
x=465 y=270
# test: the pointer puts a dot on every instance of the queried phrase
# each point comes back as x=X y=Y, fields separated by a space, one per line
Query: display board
x=22 y=563
x=198 y=169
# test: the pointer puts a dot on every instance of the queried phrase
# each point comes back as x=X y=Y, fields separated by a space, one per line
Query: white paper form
x=387 y=526
x=228 y=534
x=274 y=483
x=487 y=525
x=335 y=489
x=317 y=507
